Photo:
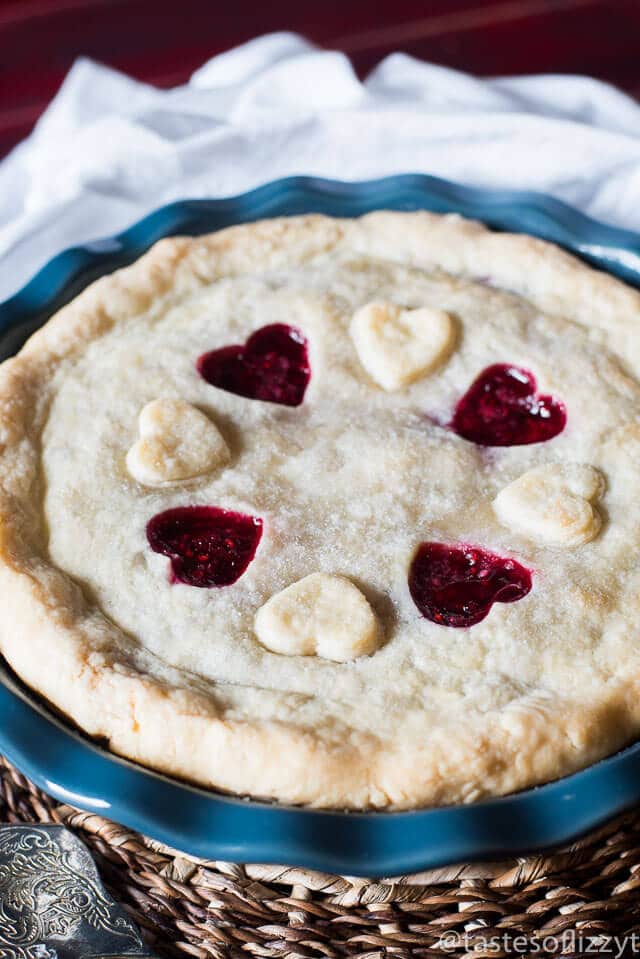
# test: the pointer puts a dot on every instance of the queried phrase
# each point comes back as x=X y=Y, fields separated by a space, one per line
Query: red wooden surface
x=163 y=41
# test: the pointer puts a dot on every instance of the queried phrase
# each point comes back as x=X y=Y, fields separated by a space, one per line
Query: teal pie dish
x=74 y=769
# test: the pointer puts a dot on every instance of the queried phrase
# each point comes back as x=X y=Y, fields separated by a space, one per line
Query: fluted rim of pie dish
x=213 y=826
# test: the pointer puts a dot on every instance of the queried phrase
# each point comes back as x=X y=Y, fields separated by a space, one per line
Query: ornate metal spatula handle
x=52 y=902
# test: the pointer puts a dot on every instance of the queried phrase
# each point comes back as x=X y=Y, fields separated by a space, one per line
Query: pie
x=342 y=513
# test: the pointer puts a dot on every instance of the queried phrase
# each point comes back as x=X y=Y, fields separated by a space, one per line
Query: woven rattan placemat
x=583 y=899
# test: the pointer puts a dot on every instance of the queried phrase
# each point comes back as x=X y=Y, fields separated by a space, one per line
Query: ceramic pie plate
x=202 y=823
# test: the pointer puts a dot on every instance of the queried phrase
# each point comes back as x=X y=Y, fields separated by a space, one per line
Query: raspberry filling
x=273 y=366
x=458 y=585
x=207 y=546
x=502 y=408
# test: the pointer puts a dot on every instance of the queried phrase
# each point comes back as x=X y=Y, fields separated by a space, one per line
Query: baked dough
x=349 y=483
x=177 y=442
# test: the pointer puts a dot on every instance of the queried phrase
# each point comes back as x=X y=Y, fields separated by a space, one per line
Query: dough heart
x=553 y=504
x=320 y=615
x=397 y=346
x=177 y=442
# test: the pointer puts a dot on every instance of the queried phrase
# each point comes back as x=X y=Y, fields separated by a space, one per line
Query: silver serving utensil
x=52 y=902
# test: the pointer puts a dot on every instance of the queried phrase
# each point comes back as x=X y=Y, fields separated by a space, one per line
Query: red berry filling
x=502 y=408
x=273 y=366
x=458 y=585
x=207 y=546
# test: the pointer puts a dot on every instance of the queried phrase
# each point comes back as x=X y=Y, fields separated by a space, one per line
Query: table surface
x=163 y=41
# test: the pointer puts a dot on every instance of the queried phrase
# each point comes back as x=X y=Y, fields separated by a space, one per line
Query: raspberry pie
x=334 y=512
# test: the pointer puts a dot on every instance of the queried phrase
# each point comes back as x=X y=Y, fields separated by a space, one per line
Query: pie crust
x=348 y=483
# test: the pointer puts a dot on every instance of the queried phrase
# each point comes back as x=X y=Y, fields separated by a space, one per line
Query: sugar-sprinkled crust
x=347 y=484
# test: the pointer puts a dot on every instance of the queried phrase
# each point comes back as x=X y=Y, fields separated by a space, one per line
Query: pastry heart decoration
x=397 y=346
x=502 y=408
x=177 y=443
x=272 y=366
x=320 y=615
x=553 y=504
x=458 y=585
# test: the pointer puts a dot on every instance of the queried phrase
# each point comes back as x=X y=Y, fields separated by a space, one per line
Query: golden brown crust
x=63 y=646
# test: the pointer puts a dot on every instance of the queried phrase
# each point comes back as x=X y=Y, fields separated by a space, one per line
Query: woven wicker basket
x=571 y=901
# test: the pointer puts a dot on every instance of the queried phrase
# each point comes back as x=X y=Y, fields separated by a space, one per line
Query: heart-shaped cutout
x=207 y=546
x=177 y=442
x=458 y=585
x=272 y=366
x=502 y=408
x=397 y=346
x=553 y=504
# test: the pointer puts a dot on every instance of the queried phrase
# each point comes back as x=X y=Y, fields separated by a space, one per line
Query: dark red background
x=163 y=42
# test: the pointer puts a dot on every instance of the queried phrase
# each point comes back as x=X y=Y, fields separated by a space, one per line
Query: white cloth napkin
x=110 y=149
